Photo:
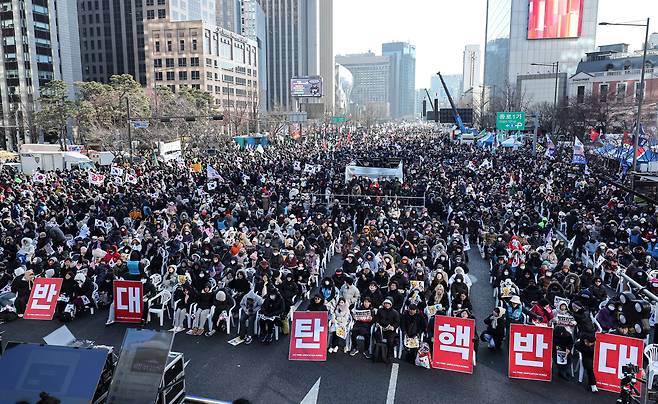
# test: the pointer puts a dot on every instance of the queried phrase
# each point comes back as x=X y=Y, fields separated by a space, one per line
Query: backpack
x=7 y=316
x=380 y=352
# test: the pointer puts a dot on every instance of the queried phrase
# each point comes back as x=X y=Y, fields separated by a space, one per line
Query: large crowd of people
x=236 y=257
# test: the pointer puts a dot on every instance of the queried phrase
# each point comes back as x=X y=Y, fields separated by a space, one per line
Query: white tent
x=352 y=170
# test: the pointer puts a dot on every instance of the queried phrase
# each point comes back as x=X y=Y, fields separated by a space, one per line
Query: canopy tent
x=511 y=142
x=353 y=170
x=486 y=140
x=251 y=141
x=625 y=152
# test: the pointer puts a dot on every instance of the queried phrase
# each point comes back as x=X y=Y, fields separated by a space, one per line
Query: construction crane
x=455 y=114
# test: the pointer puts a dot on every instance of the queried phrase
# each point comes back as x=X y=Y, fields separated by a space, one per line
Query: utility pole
x=534 y=135
x=640 y=99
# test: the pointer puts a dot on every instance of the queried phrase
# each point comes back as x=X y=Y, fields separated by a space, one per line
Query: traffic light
x=634 y=313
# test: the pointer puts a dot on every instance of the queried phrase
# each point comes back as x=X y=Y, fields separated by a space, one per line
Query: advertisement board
x=306 y=86
x=551 y=19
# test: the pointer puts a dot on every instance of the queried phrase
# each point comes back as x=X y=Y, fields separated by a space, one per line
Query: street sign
x=510 y=120
x=338 y=119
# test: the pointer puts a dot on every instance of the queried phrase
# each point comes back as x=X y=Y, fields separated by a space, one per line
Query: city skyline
x=424 y=30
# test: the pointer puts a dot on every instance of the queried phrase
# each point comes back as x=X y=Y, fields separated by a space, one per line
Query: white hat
x=80 y=277
x=515 y=299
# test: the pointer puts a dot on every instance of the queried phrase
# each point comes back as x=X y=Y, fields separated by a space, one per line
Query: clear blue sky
x=441 y=28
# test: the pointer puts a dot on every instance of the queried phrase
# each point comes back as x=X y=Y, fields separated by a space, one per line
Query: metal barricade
x=365 y=200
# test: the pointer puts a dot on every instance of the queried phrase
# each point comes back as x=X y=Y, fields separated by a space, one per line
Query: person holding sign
x=364 y=316
x=413 y=323
x=339 y=326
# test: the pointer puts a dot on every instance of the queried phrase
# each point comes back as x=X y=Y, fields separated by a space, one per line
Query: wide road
x=263 y=374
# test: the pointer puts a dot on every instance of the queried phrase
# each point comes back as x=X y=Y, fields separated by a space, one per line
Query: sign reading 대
x=611 y=354
x=43 y=299
x=453 y=344
x=308 y=337
x=128 y=304
x=530 y=352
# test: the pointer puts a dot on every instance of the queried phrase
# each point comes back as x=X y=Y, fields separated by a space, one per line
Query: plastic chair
x=651 y=352
x=156 y=280
x=161 y=309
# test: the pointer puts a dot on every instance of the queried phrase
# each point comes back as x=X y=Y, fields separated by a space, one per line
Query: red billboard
x=453 y=344
x=308 y=339
x=128 y=303
x=611 y=353
x=530 y=352
x=550 y=19
x=43 y=299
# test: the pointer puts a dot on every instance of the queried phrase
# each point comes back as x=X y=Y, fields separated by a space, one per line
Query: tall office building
x=454 y=84
x=471 y=67
x=403 y=81
x=254 y=27
x=229 y=15
x=112 y=32
x=327 y=63
x=521 y=32
x=295 y=35
x=40 y=43
x=372 y=76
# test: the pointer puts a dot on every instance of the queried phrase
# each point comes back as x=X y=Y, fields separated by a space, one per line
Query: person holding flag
x=212 y=174
x=550 y=148
x=578 y=152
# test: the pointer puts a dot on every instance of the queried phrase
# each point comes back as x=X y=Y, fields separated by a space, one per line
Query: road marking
x=392 y=384
x=312 y=395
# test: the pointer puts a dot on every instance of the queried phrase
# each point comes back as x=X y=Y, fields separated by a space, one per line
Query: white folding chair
x=160 y=301
x=651 y=352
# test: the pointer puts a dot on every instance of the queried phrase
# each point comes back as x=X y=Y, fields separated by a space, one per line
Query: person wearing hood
x=317 y=303
x=350 y=264
x=240 y=285
x=382 y=278
x=289 y=289
x=543 y=311
x=374 y=294
x=400 y=278
x=339 y=278
x=223 y=303
x=607 y=316
x=204 y=303
x=249 y=305
x=183 y=307
x=270 y=314
x=495 y=332
x=339 y=326
x=396 y=295
x=350 y=293
x=563 y=318
x=363 y=279
x=21 y=286
x=597 y=290
x=329 y=292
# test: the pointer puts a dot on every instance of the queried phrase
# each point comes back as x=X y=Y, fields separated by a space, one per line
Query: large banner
x=530 y=352
x=308 y=339
x=611 y=353
x=128 y=303
x=453 y=344
x=43 y=299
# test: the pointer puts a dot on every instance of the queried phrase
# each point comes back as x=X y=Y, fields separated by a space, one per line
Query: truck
x=50 y=158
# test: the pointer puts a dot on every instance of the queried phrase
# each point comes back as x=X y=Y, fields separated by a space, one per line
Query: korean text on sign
x=308 y=341
x=530 y=352
x=128 y=305
x=453 y=344
x=43 y=299
x=611 y=354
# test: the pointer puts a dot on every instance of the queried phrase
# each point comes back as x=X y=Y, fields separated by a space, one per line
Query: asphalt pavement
x=263 y=374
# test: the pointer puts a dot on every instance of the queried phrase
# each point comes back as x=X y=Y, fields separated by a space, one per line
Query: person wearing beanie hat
x=388 y=320
x=221 y=313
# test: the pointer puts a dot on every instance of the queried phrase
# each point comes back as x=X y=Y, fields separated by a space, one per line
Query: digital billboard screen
x=306 y=86
x=550 y=19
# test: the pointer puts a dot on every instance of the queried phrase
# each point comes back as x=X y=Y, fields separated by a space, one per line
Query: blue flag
x=578 y=152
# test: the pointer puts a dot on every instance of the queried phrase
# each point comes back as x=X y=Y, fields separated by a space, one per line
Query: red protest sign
x=128 y=301
x=43 y=299
x=530 y=352
x=308 y=339
x=453 y=344
x=611 y=353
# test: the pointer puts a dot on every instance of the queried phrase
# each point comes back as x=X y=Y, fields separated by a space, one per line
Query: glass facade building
x=509 y=53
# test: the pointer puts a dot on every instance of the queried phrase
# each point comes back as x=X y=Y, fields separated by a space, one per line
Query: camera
x=630 y=369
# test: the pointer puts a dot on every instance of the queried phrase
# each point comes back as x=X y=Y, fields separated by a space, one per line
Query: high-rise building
x=40 y=44
x=471 y=67
x=454 y=84
x=403 y=81
x=522 y=32
x=372 y=76
x=299 y=40
x=254 y=27
x=112 y=32
x=229 y=15
x=206 y=57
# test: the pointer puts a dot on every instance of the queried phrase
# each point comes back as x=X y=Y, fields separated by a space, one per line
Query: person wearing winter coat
x=364 y=316
x=338 y=326
x=607 y=317
x=374 y=294
x=270 y=312
x=249 y=305
x=183 y=307
x=204 y=303
x=598 y=290
x=495 y=332
x=363 y=279
x=562 y=345
x=21 y=286
x=317 y=303
x=388 y=321
x=413 y=323
x=563 y=318
x=583 y=318
x=396 y=294
x=585 y=345
x=350 y=293
x=543 y=311
x=239 y=285
x=223 y=303
x=461 y=302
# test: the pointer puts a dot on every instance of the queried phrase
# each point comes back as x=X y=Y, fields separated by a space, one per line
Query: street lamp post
x=556 y=66
x=640 y=96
